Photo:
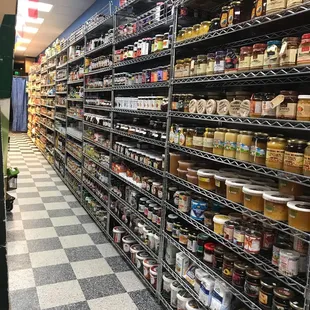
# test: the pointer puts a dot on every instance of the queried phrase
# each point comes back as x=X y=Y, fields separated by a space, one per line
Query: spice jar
x=252 y=283
x=178 y=68
x=245 y=58
x=198 y=138
x=288 y=107
x=234 y=13
x=288 y=52
x=303 y=57
x=282 y=297
x=257 y=58
x=208 y=138
x=208 y=253
x=267 y=285
x=230 y=143
x=294 y=156
x=219 y=64
x=275 y=152
x=238 y=276
x=245 y=138
x=224 y=17
x=201 y=65
x=231 y=61
x=252 y=241
x=258 y=148
x=218 y=141
x=228 y=265
x=275 y=6
x=215 y=24
x=210 y=63
x=271 y=56
x=204 y=27
x=306 y=164
x=303 y=108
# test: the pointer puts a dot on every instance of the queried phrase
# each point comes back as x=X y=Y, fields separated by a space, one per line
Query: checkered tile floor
x=57 y=256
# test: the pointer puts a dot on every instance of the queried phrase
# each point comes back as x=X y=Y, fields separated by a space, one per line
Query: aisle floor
x=57 y=257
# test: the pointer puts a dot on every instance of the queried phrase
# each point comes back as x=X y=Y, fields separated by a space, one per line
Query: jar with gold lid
x=303 y=108
x=288 y=52
x=201 y=65
x=204 y=27
x=294 y=156
x=189 y=33
x=275 y=152
x=230 y=143
x=181 y=35
x=179 y=68
x=219 y=140
x=196 y=30
x=224 y=16
x=186 y=67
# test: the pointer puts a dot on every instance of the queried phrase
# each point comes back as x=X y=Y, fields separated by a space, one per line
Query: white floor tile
x=45 y=184
x=130 y=281
x=48 y=258
x=40 y=233
x=75 y=241
x=70 y=198
x=17 y=247
x=23 y=181
x=34 y=215
x=56 y=205
x=107 y=250
x=62 y=187
x=79 y=211
x=90 y=227
x=65 y=220
x=115 y=302
x=21 y=279
x=26 y=190
x=91 y=268
x=50 y=194
x=28 y=201
x=40 y=176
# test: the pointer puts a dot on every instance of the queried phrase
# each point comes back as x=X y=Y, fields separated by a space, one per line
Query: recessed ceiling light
x=20 y=48
x=23 y=40
x=38 y=20
x=26 y=29
x=40 y=6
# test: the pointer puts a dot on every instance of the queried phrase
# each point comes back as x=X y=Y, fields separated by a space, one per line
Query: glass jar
x=252 y=241
x=272 y=54
x=194 y=66
x=275 y=152
x=186 y=67
x=245 y=58
x=288 y=52
x=210 y=63
x=224 y=16
x=198 y=138
x=258 y=148
x=245 y=145
x=215 y=24
x=260 y=8
x=291 y=3
x=208 y=138
x=201 y=65
x=288 y=107
x=265 y=297
x=196 y=30
x=208 y=253
x=192 y=242
x=218 y=257
x=228 y=265
x=303 y=108
x=219 y=64
x=257 y=58
x=294 y=156
x=238 y=276
x=282 y=297
x=189 y=137
x=219 y=140
x=159 y=43
x=252 y=283
x=306 y=165
x=189 y=33
x=303 y=57
x=183 y=236
x=268 y=110
x=275 y=6
x=256 y=105
x=231 y=61
x=230 y=144
x=166 y=41
x=179 y=68
x=180 y=35
x=130 y=53
x=201 y=241
x=234 y=13
x=253 y=13
x=204 y=27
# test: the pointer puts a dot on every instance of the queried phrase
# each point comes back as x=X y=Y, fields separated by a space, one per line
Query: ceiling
x=61 y=16
x=7 y=7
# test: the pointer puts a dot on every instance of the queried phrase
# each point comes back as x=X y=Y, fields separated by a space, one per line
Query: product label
x=259 y=8
x=252 y=244
x=208 y=258
x=182 y=139
x=263 y=298
x=292 y=159
x=208 y=142
x=224 y=20
x=303 y=53
x=257 y=61
x=206 y=180
x=244 y=148
x=289 y=57
x=210 y=66
x=218 y=144
x=303 y=110
x=219 y=66
x=244 y=62
x=275 y=255
x=169 y=226
x=288 y=265
x=184 y=203
x=192 y=246
x=238 y=237
x=234 y=190
x=258 y=152
x=287 y=110
x=228 y=233
x=268 y=109
x=268 y=240
x=275 y=156
x=306 y=163
x=230 y=145
x=256 y=107
x=293 y=2
x=231 y=16
x=197 y=141
x=201 y=68
x=217 y=183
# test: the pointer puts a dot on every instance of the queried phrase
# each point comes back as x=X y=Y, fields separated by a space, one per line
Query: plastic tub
x=182 y=173
x=234 y=189
x=219 y=221
x=153 y=276
x=192 y=171
x=167 y=280
x=192 y=179
x=263 y=182
x=299 y=215
x=206 y=179
x=134 y=249
x=192 y=305
x=184 y=164
x=175 y=287
x=290 y=188
x=147 y=264
x=174 y=158
x=253 y=197
x=220 y=179
x=140 y=257
x=128 y=241
x=118 y=232
x=275 y=205
x=183 y=297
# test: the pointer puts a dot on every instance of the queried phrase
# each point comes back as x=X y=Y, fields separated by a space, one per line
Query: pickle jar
x=294 y=156
x=259 y=148
x=245 y=58
x=208 y=138
x=288 y=52
x=257 y=59
x=275 y=152
x=179 y=68
x=198 y=138
x=215 y=24
x=201 y=65
x=196 y=30
x=272 y=54
x=224 y=16
x=204 y=27
x=210 y=63
x=219 y=141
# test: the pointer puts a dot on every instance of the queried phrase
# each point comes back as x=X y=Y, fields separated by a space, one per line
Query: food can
x=276 y=252
x=289 y=263
x=229 y=228
x=239 y=232
x=184 y=202
x=252 y=241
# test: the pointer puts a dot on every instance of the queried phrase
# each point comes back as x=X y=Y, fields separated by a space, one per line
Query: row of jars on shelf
x=97 y=63
x=91 y=203
x=76 y=73
x=276 y=152
x=94 y=135
x=74 y=166
x=96 y=171
x=287 y=105
x=286 y=53
x=101 y=40
x=148 y=103
x=234 y=13
x=74 y=148
x=96 y=153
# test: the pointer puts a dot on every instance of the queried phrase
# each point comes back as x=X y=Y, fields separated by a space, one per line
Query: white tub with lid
x=140 y=257
x=234 y=189
x=299 y=215
x=219 y=221
x=153 y=276
x=128 y=241
x=118 y=232
x=253 y=197
x=193 y=305
x=147 y=264
x=175 y=287
x=182 y=298
x=167 y=280
x=134 y=249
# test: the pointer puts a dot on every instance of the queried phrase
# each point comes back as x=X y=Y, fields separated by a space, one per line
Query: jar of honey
x=230 y=143
x=224 y=16
x=275 y=152
x=204 y=27
x=258 y=148
x=219 y=140
x=196 y=30
x=294 y=156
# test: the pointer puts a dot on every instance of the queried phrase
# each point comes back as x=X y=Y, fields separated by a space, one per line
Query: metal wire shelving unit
x=279 y=76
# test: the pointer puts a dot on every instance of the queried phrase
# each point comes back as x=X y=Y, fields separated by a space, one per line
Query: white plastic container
x=199 y=274
x=118 y=233
x=167 y=280
x=153 y=276
x=175 y=287
x=206 y=288
x=156 y=238
x=182 y=298
x=128 y=241
x=134 y=249
x=140 y=257
x=192 y=305
x=147 y=264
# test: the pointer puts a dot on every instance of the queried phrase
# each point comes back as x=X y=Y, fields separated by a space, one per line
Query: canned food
x=252 y=241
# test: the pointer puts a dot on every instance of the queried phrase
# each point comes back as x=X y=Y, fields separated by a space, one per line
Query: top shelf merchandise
x=205 y=167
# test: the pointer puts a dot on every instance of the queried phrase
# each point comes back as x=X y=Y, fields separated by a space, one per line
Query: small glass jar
x=159 y=43
x=218 y=257
x=303 y=108
x=201 y=65
x=231 y=61
x=252 y=283
x=245 y=145
x=303 y=57
x=238 y=276
x=219 y=64
x=230 y=143
x=179 y=68
x=288 y=52
x=245 y=58
x=208 y=138
x=189 y=33
x=193 y=66
x=306 y=164
x=210 y=63
x=196 y=30
x=235 y=13
x=228 y=265
x=202 y=239
x=282 y=297
x=265 y=297
x=166 y=41
x=204 y=27
x=224 y=16
x=294 y=156
x=192 y=242
x=257 y=59
x=275 y=152
x=208 y=253
x=259 y=148
x=215 y=24
x=186 y=67
x=189 y=137
x=219 y=141
x=275 y=6
x=180 y=35
x=260 y=8
x=176 y=230
x=198 y=138
x=288 y=107
x=256 y=105
x=183 y=236
x=272 y=54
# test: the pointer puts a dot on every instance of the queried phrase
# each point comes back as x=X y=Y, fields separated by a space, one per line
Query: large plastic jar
x=174 y=162
x=220 y=179
x=272 y=54
x=294 y=156
x=175 y=288
x=303 y=108
x=128 y=241
x=275 y=152
x=257 y=59
x=167 y=280
x=275 y=205
x=134 y=249
x=230 y=143
x=245 y=58
x=219 y=221
x=234 y=189
x=245 y=145
x=299 y=215
x=288 y=52
x=206 y=179
x=275 y=6
x=118 y=233
x=253 y=197
x=303 y=57
x=219 y=140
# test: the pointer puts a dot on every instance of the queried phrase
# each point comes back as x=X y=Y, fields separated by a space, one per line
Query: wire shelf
x=105 y=167
x=98 y=107
x=79 y=159
x=75 y=82
x=97 y=90
x=96 y=144
x=75 y=117
x=141 y=112
x=74 y=175
x=142 y=86
x=99 y=48
x=108 y=129
x=99 y=71
x=104 y=186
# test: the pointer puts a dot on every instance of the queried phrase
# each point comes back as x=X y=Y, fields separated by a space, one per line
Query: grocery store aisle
x=57 y=256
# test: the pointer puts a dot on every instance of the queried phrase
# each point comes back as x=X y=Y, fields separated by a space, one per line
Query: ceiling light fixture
x=20 y=48
x=38 y=20
x=26 y=29
x=23 y=40
x=40 y=6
